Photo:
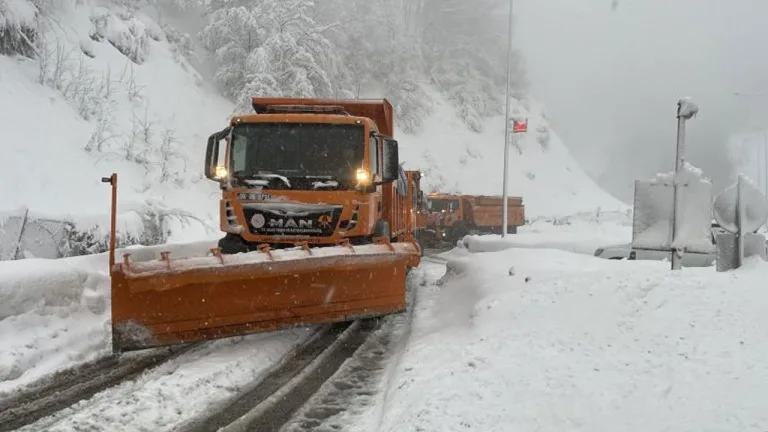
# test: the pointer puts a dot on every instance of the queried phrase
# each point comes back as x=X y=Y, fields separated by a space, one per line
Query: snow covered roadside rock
x=587 y=344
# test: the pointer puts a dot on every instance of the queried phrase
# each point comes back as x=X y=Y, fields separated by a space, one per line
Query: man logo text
x=290 y=223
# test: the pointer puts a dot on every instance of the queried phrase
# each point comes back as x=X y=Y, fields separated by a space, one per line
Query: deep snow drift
x=587 y=344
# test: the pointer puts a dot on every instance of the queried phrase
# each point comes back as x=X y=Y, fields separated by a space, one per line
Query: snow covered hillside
x=542 y=171
x=115 y=88
x=109 y=92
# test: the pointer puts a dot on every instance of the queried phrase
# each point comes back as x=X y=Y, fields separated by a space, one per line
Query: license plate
x=254 y=196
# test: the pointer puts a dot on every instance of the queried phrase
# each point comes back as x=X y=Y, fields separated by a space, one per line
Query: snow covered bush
x=543 y=137
x=181 y=45
x=130 y=37
x=124 y=31
x=153 y=230
x=18 y=28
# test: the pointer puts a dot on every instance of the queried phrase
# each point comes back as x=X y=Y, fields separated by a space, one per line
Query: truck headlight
x=221 y=173
x=363 y=176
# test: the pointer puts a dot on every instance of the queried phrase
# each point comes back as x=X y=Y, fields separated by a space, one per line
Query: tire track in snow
x=345 y=360
x=278 y=395
x=359 y=385
x=75 y=384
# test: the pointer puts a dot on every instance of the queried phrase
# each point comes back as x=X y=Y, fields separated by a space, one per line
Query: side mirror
x=211 y=157
x=391 y=163
x=212 y=154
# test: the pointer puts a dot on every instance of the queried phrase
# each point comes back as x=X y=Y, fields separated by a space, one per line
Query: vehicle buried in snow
x=689 y=259
x=319 y=227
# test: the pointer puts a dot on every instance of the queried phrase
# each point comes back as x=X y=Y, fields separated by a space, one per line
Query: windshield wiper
x=262 y=178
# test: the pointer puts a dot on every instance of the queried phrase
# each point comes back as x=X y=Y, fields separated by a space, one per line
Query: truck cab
x=311 y=171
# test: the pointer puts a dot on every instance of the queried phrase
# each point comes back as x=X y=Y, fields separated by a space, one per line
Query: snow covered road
x=179 y=390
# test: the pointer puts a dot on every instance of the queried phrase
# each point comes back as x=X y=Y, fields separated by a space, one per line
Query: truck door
x=467 y=215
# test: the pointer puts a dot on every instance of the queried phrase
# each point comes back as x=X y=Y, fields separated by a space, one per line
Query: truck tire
x=512 y=229
x=458 y=232
x=381 y=229
x=232 y=244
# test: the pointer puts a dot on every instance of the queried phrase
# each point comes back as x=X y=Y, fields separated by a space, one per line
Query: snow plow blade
x=167 y=301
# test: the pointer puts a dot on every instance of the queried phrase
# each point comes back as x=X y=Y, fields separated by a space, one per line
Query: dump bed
x=378 y=110
x=488 y=211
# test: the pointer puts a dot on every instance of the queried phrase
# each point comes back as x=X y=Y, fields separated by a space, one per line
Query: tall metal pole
x=740 y=211
x=765 y=171
x=505 y=210
x=678 y=190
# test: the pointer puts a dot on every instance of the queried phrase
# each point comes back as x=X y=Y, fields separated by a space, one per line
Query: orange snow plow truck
x=454 y=216
x=316 y=213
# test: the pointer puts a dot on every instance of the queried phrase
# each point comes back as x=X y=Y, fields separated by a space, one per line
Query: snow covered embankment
x=587 y=344
x=580 y=233
x=56 y=313
x=53 y=313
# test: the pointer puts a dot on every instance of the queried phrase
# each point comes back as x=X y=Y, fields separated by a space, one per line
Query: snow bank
x=56 y=313
x=581 y=233
x=587 y=344
x=53 y=313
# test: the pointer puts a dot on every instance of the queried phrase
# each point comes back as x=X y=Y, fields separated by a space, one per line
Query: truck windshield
x=325 y=153
x=443 y=205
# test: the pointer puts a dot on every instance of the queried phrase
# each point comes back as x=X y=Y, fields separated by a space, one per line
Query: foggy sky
x=611 y=79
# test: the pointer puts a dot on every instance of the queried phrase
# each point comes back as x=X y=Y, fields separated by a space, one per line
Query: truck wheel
x=232 y=244
x=381 y=229
x=512 y=229
x=458 y=232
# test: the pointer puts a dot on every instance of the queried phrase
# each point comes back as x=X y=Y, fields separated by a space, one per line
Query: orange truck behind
x=454 y=216
x=419 y=211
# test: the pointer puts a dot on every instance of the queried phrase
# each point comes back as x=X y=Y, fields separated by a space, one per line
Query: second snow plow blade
x=170 y=301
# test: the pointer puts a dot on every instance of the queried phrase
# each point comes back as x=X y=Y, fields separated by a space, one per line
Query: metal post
x=740 y=210
x=112 y=180
x=505 y=210
x=765 y=170
x=678 y=190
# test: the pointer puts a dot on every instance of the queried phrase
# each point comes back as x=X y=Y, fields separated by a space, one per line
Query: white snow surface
x=191 y=385
x=587 y=344
x=580 y=233
x=688 y=108
x=53 y=313
x=17 y=12
x=56 y=313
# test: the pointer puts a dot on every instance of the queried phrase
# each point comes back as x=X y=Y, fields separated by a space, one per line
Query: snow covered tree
x=273 y=47
x=18 y=27
x=231 y=34
x=342 y=48
x=465 y=49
